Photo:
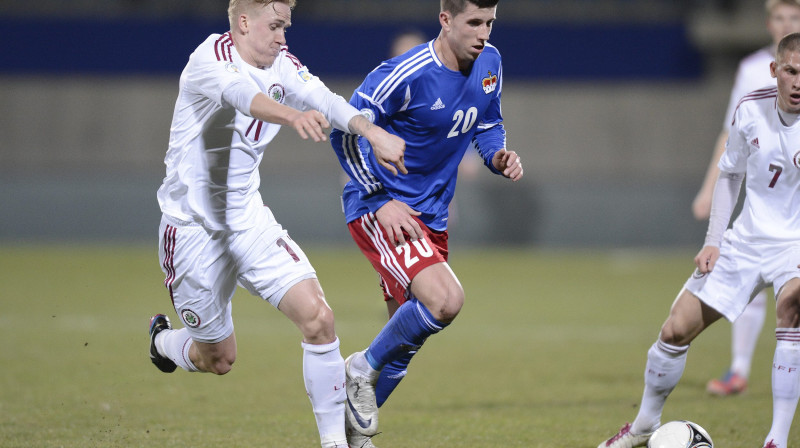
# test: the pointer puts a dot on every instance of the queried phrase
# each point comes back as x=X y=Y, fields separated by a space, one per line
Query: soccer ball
x=680 y=434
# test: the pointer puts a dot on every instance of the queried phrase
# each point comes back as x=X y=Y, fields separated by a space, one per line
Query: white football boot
x=361 y=411
x=626 y=439
x=355 y=439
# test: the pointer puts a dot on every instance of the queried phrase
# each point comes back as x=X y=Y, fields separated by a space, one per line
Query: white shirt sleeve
x=734 y=159
x=240 y=94
x=338 y=111
x=726 y=192
x=305 y=91
x=732 y=166
x=209 y=77
x=751 y=74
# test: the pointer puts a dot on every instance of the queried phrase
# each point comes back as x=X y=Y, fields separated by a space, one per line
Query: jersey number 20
x=463 y=121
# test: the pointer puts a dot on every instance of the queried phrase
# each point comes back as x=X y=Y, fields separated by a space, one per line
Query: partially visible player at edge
x=783 y=17
x=762 y=248
x=235 y=92
x=439 y=97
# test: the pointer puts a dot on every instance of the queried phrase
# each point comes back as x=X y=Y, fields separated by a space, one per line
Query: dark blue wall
x=551 y=51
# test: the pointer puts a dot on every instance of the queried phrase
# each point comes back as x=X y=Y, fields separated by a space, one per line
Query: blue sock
x=411 y=324
x=391 y=375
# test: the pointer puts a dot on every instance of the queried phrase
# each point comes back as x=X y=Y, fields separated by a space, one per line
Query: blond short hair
x=235 y=7
x=770 y=5
x=789 y=44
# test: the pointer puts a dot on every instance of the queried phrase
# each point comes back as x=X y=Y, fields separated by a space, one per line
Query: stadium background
x=614 y=106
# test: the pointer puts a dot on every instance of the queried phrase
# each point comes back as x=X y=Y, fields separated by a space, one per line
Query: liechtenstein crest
x=489 y=83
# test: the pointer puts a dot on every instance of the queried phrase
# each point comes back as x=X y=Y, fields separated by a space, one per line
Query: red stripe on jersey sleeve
x=770 y=92
x=292 y=57
x=222 y=48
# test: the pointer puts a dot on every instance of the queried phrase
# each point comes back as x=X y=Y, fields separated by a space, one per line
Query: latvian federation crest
x=489 y=83
x=276 y=92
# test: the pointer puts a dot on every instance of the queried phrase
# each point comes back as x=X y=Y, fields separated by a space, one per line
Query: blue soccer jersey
x=438 y=112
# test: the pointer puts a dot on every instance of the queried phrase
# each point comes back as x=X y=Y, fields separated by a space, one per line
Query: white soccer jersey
x=752 y=74
x=768 y=151
x=214 y=150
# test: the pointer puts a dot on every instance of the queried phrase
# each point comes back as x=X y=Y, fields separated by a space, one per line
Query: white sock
x=323 y=373
x=785 y=384
x=744 y=334
x=174 y=344
x=664 y=368
x=359 y=366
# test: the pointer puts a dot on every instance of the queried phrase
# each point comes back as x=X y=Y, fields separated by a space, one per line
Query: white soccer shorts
x=203 y=267
x=744 y=269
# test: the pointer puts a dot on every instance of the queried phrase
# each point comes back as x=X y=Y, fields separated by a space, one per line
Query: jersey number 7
x=778 y=170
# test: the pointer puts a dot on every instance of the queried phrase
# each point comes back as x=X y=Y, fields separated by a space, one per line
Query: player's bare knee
x=319 y=328
x=673 y=333
x=788 y=309
x=220 y=365
x=449 y=305
x=221 y=368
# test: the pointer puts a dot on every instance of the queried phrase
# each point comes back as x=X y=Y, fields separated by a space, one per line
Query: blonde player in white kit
x=236 y=91
x=762 y=248
x=783 y=17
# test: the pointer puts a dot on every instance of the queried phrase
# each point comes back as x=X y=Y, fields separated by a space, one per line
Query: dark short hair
x=456 y=7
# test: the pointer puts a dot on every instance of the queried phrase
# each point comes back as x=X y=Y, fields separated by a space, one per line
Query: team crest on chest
x=489 y=83
x=796 y=159
x=276 y=92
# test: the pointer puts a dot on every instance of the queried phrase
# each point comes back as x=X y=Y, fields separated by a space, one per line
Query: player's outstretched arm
x=726 y=191
x=388 y=148
x=508 y=163
x=307 y=124
x=396 y=216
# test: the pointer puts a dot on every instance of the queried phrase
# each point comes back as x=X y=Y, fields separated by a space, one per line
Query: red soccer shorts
x=397 y=266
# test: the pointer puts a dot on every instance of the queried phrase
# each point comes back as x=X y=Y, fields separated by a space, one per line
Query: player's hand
x=701 y=206
x=396 y=216
x=310 y=124
x=388 y=149
x=508 y=163
x=706 y=259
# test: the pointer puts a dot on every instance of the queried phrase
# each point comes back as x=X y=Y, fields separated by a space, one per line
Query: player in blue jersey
x=439 y=97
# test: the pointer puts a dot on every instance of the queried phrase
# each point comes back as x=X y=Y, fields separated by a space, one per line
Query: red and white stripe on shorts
x=397 y=266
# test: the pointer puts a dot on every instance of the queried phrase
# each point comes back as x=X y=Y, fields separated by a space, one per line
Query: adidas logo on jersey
x=438 y=104
x=755 y=143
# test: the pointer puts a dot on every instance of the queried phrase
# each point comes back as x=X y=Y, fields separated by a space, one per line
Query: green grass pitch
x=548 y=351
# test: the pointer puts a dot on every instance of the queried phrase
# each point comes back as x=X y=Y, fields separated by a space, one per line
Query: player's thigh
x=438 y=288
x=688 y=317
x=216 y=357
x=200 y=277
x=305 y=305
x=269 y=262
x=733 y=282
x=397 y=265
x=787 y=287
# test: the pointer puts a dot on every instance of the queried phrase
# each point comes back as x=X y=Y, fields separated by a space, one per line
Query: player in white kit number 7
x=783 y=17
x=762 y=248
x=236 y=91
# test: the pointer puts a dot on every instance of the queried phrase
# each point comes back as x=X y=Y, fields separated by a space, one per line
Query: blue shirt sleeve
x=355 y=154
x=490 y=136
